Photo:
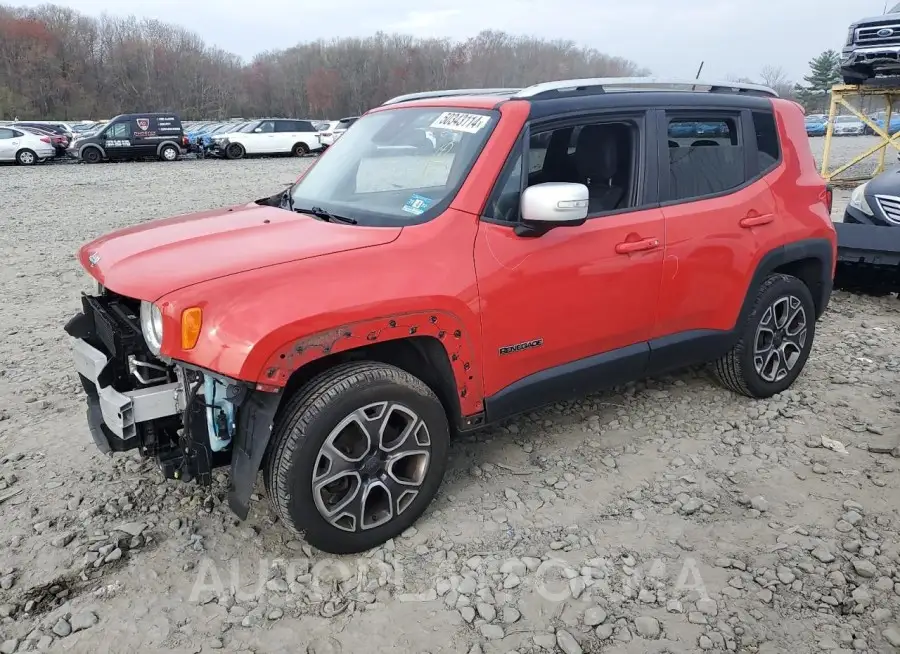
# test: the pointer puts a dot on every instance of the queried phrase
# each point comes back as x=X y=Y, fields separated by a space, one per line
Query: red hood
x=149 y=260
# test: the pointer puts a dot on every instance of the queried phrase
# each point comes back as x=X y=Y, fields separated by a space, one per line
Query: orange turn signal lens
x=191 y=322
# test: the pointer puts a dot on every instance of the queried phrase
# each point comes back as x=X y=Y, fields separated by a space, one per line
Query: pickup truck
x=872 y=48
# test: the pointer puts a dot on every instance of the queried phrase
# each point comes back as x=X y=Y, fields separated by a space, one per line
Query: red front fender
x=445 y=327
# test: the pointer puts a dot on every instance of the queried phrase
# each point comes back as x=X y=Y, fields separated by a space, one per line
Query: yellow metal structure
x=840 y=95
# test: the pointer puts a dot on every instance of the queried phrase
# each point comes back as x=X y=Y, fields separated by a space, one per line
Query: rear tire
x=168 y=153
x=26 y=157
x=91 y=155
x=775 y=340
x=235 y=151
x=300 y=150
x=361 y=443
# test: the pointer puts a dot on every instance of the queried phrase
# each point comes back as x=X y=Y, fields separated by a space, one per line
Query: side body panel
x=263 y=324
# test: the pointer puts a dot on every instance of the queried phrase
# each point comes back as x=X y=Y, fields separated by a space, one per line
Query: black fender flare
x=165 y=143
x=816 y=249
x=256 y=419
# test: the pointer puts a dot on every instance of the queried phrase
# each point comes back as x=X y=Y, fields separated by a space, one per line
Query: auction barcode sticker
x=460 y=122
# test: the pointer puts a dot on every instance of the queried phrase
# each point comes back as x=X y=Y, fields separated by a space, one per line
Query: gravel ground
x=670 y=516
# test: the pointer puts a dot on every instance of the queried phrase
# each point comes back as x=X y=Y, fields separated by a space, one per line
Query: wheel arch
x=433 y=346
x=163 y=144
x=425 y=356
x=810 y=260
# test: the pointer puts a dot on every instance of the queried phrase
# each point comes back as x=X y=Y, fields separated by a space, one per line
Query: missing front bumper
x=121 y=412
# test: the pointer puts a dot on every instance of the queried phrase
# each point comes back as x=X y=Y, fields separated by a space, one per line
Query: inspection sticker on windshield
x=417 y=204
x=460 y=122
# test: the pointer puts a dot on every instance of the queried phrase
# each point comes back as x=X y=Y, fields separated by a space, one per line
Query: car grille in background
x=870 y=35
x=890 y=206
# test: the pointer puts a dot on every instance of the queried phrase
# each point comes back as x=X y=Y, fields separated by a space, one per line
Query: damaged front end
x=188 y=419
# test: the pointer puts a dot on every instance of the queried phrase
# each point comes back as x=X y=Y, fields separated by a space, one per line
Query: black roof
x=148 y=114
x=543 y=107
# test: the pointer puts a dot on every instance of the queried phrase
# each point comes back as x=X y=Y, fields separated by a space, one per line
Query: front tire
x=357 y=456
x=91 y=155
x=775 y=340
x=235 y=151
x=300 y=150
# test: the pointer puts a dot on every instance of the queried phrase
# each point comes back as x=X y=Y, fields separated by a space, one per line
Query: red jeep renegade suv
x=456 y=258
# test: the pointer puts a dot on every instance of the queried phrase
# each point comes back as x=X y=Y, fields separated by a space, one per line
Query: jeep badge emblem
x=885 y=32
x=94 y=258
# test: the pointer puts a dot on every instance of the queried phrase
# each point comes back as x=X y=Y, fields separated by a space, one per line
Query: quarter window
x=767 y=145
x=706 y=156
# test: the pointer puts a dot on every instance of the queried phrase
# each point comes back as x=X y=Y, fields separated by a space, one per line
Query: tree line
x=56 y=63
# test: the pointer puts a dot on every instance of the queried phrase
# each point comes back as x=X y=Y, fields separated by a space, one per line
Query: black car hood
x=887 y=183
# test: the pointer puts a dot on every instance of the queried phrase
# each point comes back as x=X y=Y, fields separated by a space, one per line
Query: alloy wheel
x=780 y=338
x=371 y=466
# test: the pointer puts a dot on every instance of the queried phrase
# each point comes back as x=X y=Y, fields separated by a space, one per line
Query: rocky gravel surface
x=667 y=516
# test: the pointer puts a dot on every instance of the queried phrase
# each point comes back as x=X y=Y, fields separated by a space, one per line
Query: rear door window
x=286 y=126
x=706 y=155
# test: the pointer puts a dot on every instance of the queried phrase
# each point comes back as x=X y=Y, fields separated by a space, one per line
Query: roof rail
x=422 y=95
x=604 y=84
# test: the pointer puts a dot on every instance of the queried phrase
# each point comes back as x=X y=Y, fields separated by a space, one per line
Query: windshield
x=396 y=166
x=846 y=119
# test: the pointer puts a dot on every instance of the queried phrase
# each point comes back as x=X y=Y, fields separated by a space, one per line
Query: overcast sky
x=670 y=37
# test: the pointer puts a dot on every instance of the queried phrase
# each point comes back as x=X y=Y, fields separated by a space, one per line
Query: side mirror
x=553 y=204
x=258 y=129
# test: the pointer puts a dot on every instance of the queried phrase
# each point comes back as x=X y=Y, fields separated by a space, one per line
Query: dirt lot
x=670 y=516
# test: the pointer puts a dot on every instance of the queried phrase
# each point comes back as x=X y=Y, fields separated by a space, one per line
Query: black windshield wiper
x=327 y=216
x=288 y=199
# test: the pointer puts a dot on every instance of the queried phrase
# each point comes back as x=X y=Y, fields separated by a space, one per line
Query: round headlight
x=152 y=326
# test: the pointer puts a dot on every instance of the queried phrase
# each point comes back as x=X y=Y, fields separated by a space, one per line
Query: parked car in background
x=879 y=119
x=133 y=136
x=848 y=126
x=877 y=202
x=816 y=126
x=872 y=48
x=268 y=136
x=55 y=127
x=205 y=138
x=23 y=147
x=333 y=133
x=59 y=141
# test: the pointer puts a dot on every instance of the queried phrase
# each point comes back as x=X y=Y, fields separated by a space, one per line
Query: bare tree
x=775 y=78
x=57 y=63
